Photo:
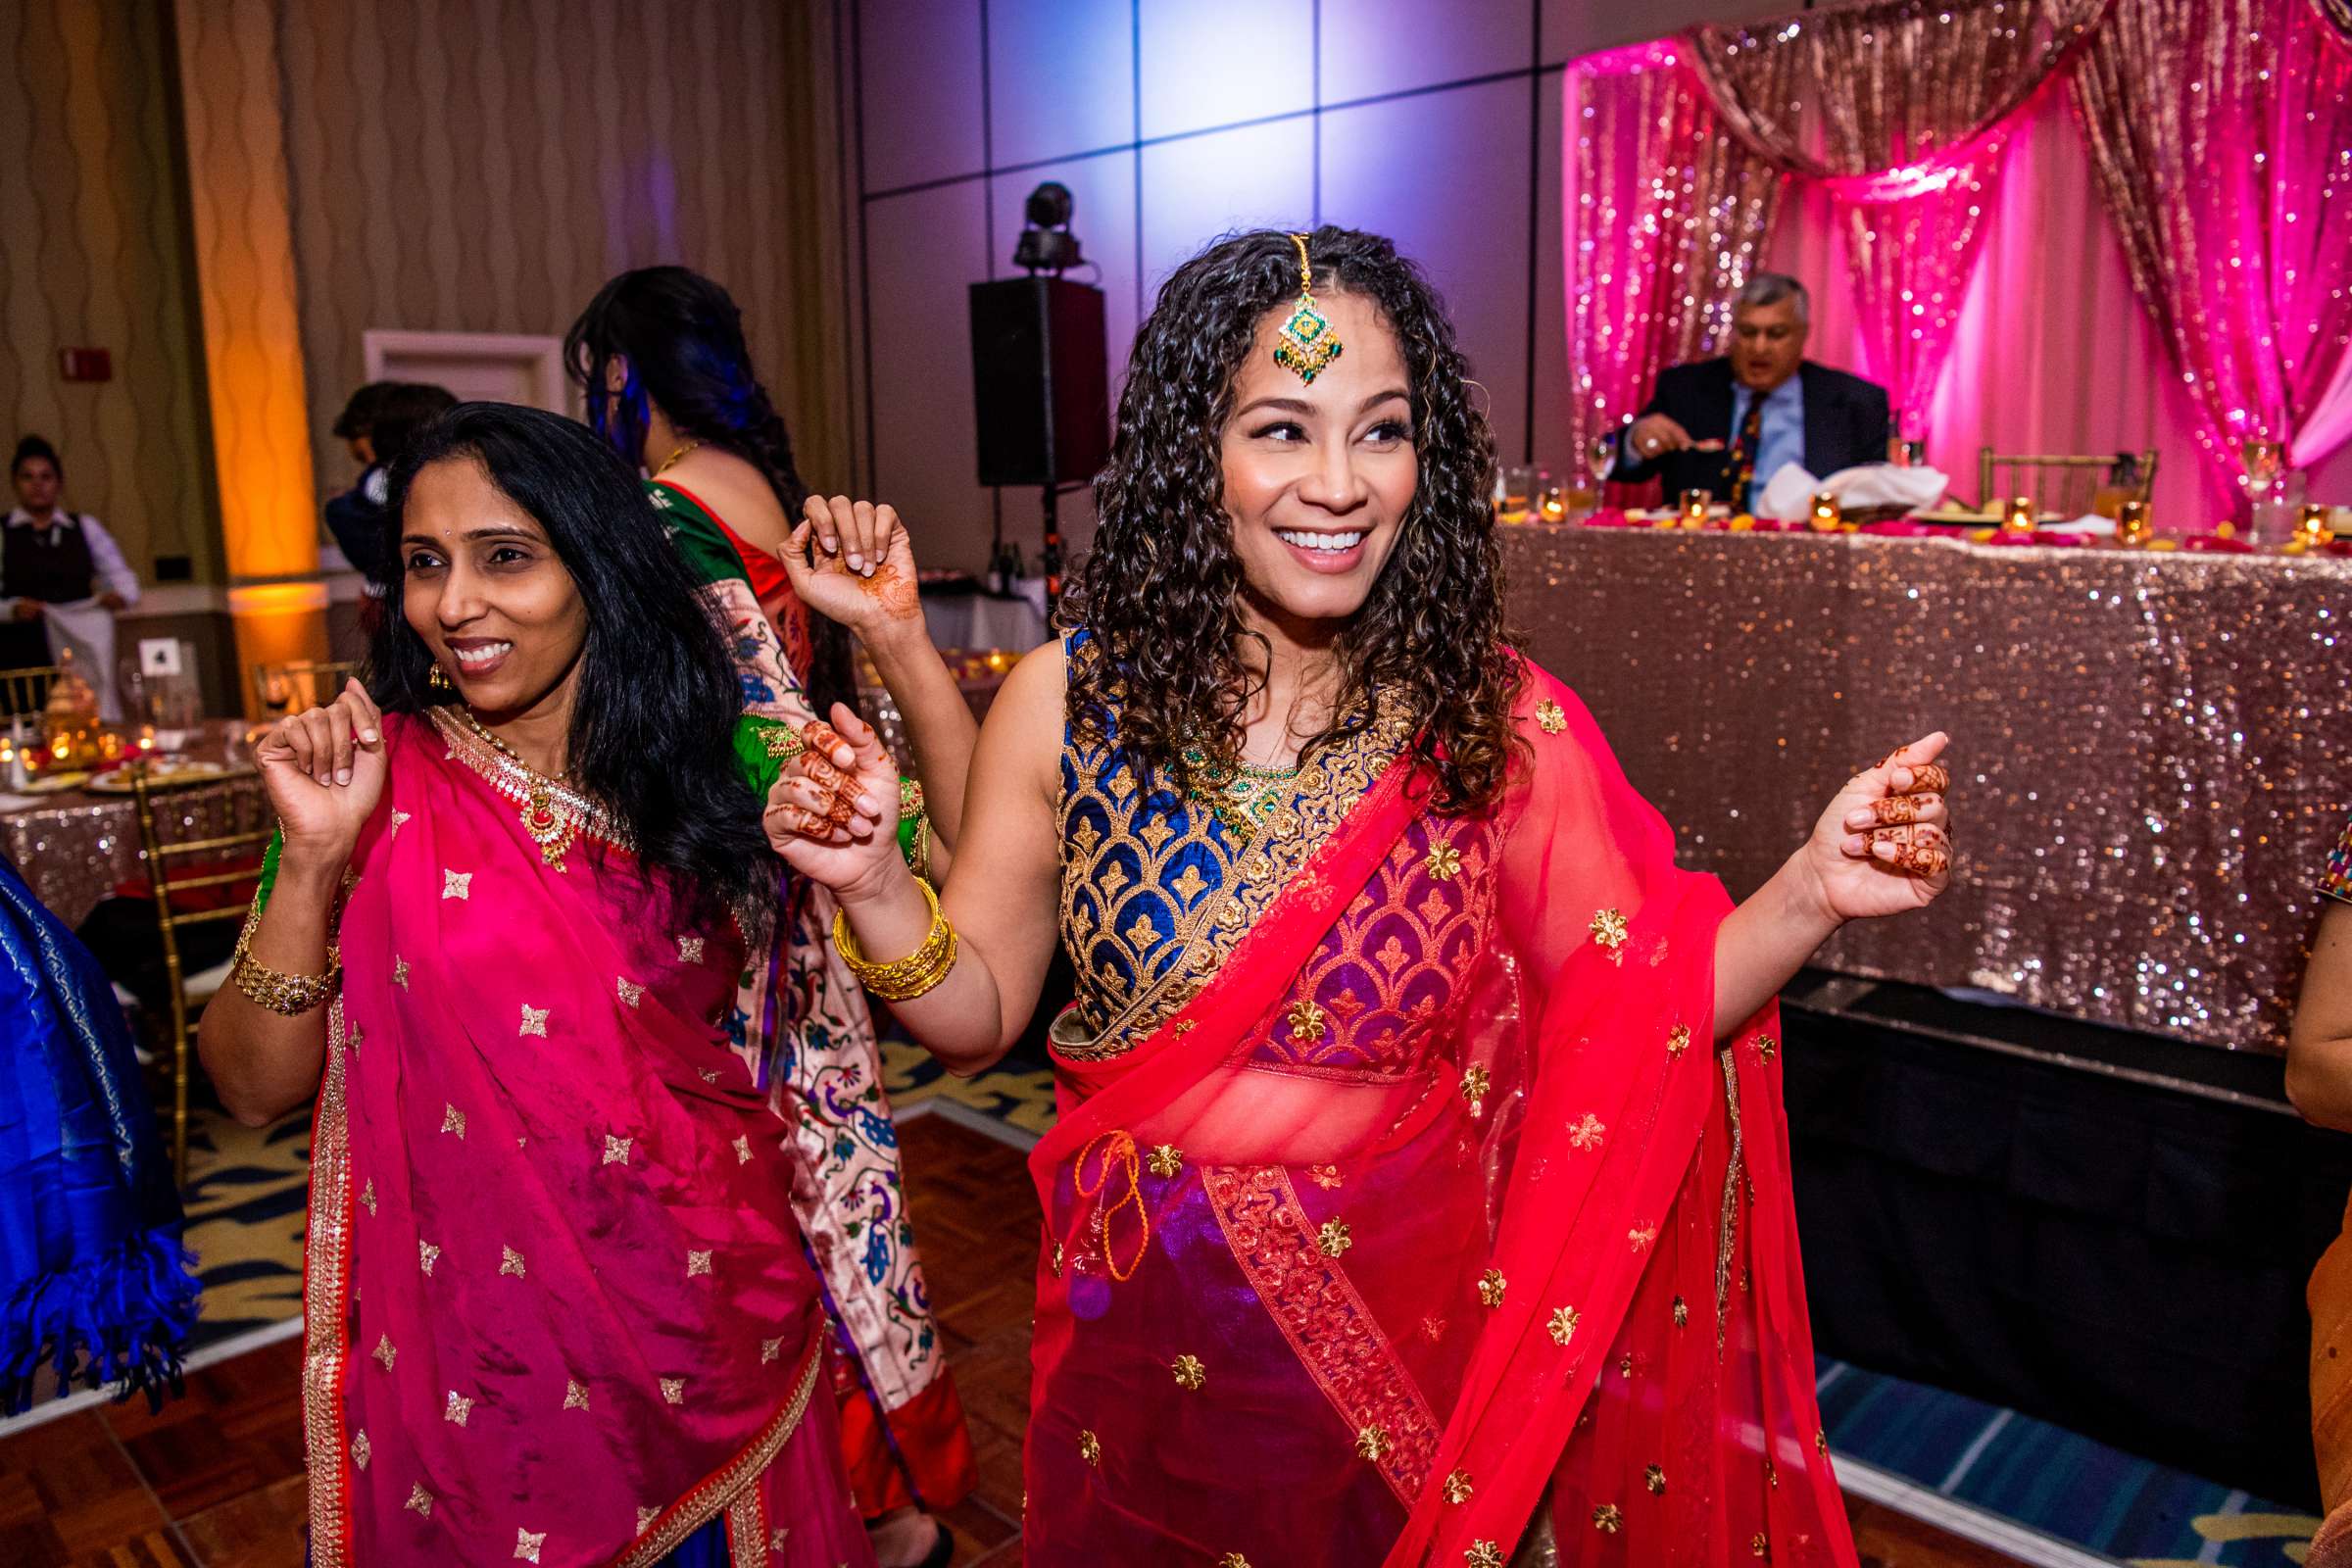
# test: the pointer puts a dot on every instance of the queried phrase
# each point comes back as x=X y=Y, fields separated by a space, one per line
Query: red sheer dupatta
x=1533 y=1235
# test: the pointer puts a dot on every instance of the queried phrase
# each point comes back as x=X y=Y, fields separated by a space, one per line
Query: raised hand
x=852 y=561
x=324 y=771
x=1885 y=845
x=834 y=814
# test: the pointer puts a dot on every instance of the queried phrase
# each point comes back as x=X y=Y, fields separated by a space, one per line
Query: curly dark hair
x=681 y=335
x=653 y=724
x=1161 y=591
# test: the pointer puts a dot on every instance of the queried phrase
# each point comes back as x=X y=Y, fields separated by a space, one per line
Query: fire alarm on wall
x=85 y=365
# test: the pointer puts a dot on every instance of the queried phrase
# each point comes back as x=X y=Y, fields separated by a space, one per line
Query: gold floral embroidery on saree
x=1381 y=982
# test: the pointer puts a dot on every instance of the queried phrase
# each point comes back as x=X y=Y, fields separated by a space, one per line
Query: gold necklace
x=544 y=819
x=667 y=462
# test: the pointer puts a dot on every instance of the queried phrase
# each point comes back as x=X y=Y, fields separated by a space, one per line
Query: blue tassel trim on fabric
x=122 y=1319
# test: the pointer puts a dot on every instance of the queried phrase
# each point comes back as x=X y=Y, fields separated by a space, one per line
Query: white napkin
x=89 y=629
x=2088 y=523
x=1789 y=494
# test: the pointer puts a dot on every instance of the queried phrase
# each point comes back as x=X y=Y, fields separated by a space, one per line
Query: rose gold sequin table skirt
x=74 y=847
x=2154 y=749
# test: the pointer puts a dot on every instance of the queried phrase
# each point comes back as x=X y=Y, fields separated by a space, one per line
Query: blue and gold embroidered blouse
x=1157 y=885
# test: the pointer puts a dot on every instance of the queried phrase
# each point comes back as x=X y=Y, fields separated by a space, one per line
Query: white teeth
x=1330 y=543
x=482 y=655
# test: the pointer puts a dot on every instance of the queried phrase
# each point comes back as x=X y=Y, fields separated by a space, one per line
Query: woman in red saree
x=1420 y=1190
x=556 y=1306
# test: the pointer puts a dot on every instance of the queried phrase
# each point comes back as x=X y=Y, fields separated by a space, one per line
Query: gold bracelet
x=920 y=862
x=901 y=979
x=911 y=810
x=289 y=996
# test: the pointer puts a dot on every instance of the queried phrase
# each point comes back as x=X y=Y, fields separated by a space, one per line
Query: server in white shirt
x=51 y=556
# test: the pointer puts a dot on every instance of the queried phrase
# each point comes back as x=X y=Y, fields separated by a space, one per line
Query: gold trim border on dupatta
x=1384 y=1394
x=326 y=1308
x=720 y=1491
x=747 y=1529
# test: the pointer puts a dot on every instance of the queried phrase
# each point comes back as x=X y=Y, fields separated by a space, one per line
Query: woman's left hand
x=1885 y=845
x=852 y=561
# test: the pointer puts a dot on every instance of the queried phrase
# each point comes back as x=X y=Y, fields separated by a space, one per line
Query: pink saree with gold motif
x=556 y=1306
x=1403 y=1207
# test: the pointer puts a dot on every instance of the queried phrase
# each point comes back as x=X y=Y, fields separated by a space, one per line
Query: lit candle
x=2311 y=527
x=1695 y=509
x=2132 y=529
x=1828 y=515
x=2017 y=514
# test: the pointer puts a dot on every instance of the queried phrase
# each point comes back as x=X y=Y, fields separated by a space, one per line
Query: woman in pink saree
x=556 y=1306
x=1420 y=1191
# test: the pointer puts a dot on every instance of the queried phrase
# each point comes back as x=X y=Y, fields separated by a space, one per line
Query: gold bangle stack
x=901 y=979
x=289 y=996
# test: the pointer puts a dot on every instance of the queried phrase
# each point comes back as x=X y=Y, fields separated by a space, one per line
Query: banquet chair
x=2061 y=486
x=26 y=690
x=301 y=683
x=189 y=992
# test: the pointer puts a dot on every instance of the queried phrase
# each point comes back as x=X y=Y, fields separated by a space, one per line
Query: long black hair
x=1162 y=589
x=681 y=337
x=652 y=722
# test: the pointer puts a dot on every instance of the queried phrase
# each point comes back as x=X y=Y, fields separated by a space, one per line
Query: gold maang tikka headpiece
x=1306 y=345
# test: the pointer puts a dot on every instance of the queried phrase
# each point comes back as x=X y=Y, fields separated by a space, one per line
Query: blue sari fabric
x=93 y=1276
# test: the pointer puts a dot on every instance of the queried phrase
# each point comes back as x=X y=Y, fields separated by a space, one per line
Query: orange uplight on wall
x=233 y=113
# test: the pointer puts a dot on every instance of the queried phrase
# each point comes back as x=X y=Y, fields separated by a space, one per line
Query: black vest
x=52 y=565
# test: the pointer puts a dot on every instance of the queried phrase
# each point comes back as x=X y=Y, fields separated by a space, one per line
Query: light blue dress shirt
x=1781 y=436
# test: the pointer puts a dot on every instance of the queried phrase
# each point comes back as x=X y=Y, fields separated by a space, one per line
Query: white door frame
x=541 y=358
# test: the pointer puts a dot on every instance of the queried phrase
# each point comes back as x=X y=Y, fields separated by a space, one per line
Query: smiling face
x=485 y=590
x=1319 y=477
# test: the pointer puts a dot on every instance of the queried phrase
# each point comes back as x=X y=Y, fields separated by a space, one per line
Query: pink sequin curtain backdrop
x=2222 y=133
x=1666 y=214
x=1901 y=115
x=1903 y=111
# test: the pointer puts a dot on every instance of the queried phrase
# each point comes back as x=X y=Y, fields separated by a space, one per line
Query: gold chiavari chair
x=2061 y=486
x=299 y=684
x=26 y=690
x=189 y=992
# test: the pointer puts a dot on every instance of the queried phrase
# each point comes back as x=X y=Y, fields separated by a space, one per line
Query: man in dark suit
x=1726 y=426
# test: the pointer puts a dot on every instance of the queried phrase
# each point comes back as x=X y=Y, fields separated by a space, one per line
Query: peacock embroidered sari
x=802 y=1023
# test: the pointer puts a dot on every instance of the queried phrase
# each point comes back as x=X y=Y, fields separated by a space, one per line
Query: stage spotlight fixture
x=1046 y=244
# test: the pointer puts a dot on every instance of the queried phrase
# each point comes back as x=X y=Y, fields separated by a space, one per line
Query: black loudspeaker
x=1039 y=382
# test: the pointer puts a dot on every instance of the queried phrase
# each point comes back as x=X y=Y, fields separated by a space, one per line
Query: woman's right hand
x=852 y=561
x=835 y=824
x=324 y=771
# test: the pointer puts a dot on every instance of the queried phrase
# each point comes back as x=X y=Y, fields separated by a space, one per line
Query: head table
x=2153 y=749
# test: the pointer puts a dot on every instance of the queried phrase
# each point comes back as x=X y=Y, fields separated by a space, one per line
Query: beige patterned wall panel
x=484 y=166
x=92 y=258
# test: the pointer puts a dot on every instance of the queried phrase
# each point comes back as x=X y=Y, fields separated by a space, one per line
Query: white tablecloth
x=981 y=621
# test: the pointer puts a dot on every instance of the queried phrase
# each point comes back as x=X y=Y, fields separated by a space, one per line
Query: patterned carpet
x=1017 y=1094
x=245 y=1203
